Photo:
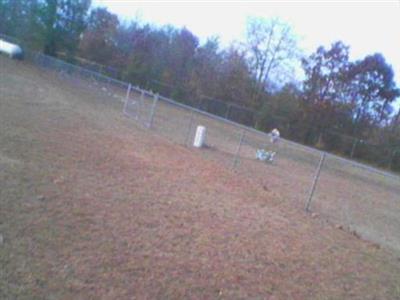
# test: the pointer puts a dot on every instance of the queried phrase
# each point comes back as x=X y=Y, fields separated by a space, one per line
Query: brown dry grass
x=356 y=198
x=92 y=207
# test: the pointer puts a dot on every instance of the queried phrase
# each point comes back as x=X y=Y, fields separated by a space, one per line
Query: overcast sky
x=367 y=26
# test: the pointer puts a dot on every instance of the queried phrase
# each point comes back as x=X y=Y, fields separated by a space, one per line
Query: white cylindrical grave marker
x=200 y=137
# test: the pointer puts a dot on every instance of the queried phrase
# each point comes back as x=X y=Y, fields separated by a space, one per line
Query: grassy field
x=94 y=207
x=362 y=201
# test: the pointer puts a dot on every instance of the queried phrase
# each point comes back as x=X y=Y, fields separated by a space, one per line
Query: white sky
x=367 y=26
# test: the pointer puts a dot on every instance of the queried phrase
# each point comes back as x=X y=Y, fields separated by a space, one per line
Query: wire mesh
x=363 y=201
x=360 y=197
x=291 y=171
x=171 y=121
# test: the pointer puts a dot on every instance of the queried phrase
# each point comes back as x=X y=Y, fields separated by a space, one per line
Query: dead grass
x=360 y=200
x=92 y=207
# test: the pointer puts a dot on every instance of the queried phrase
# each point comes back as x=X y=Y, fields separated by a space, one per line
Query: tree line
x=337 y=105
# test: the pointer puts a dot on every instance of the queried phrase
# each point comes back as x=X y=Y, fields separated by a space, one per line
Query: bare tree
x=270 y=47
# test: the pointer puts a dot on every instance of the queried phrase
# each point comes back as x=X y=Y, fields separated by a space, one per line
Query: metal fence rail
x=358 y=196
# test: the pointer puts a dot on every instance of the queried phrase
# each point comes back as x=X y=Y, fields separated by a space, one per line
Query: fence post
x=315 y=182
x=189 y=128
x=353 y=149
x=228 y=112
x=200 y=102
x=391 y=159
x=128 y=92
x=141 y=97
x=109 y=83
x=236 y=160
x=81 y=72
x=152 y=111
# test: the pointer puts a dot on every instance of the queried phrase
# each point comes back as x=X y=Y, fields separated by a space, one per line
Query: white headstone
x=199 y=137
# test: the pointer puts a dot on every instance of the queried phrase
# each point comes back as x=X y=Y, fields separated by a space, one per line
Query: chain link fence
x=357 y=197
x=385 y=157
x=362 y=199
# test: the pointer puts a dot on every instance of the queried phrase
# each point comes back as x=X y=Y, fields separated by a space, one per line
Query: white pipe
x=12 y=50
